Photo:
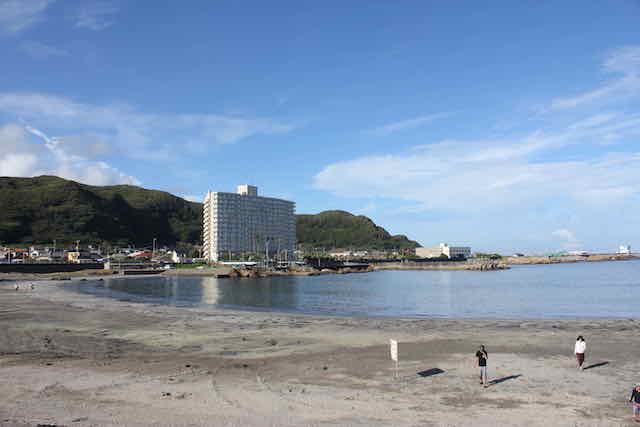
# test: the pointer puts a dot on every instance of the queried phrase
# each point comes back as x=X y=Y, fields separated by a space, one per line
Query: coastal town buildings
x=444 y=250
x=243 y=222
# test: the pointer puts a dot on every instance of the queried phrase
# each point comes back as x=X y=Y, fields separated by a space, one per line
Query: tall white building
x=241 y=222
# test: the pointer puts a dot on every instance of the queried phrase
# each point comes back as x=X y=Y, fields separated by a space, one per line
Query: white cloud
x=17 y=15
x=96 y=16
x=135 y=134
x=568 y=238
x=485 y=175
x=624 y=61
x=18 y=164
x=20 y=156
x=407 y=124
x=39 y=50
x=593 y=121
x=78 y=168
x=192 y=197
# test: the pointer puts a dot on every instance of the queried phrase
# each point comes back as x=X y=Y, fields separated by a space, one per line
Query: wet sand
x=79 y=360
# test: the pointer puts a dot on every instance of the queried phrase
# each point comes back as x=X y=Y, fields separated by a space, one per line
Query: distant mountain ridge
x=47 y=208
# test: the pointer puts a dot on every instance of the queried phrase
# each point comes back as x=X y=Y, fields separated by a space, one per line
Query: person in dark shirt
x=482 y=357
x=635 y=400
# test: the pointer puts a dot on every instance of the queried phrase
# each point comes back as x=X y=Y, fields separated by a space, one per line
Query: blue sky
x=510 y=126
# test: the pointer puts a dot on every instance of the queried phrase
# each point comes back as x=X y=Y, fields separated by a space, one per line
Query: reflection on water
x=266 y=293
x=601 y=289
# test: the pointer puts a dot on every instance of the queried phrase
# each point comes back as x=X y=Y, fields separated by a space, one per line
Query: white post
x=393 y=346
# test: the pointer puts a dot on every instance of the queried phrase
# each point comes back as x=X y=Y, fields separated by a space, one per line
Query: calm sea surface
x=597 y=289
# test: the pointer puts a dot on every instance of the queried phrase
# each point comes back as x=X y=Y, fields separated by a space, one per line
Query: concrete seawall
x=48 y=268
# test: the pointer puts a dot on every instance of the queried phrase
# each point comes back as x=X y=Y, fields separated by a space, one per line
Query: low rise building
x=624 y=250
x=444 y=250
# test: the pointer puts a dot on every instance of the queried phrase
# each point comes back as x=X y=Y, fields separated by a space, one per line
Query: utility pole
x=266 y=250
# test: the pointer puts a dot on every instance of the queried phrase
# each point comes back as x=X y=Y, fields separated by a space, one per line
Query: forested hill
x=44 y=208
x=340 y=229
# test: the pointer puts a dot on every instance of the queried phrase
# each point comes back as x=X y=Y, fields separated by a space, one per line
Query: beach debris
x=324 y=368
x=33 y=286
x=272 y=341
x=17 y=287
x=166 y=394
x=79 y=419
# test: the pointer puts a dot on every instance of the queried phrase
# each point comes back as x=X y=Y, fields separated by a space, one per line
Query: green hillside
x=340 y=229
x=41 y=209
x=44 y=208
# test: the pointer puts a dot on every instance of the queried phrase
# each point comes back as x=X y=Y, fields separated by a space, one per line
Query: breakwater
x=471 y=265
x=520 y=260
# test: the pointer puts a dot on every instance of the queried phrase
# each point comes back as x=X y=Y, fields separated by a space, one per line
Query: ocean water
x=596 y=289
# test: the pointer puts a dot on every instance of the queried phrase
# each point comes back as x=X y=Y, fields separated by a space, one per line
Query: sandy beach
x=78 y=360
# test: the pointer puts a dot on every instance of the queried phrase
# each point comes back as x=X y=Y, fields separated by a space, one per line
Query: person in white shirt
x=579 y=350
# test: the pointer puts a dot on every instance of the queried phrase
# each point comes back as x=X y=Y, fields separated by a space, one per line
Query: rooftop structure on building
x=243 y=222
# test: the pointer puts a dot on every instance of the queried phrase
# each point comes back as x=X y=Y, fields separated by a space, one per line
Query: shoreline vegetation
x=68 y=358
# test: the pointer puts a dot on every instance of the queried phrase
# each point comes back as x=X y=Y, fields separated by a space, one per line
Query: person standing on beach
x=635 y=400
x=482 y=357
x=579 y=350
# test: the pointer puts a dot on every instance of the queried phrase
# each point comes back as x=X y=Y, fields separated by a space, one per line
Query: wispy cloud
x=22 y=157
x=482 y=175
x=407 y=124
x=626 y=63
x=192 y=197
x=136 y=134
x=38 y=50
x=17 y=15
x=97 y=15
x=568 y=239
